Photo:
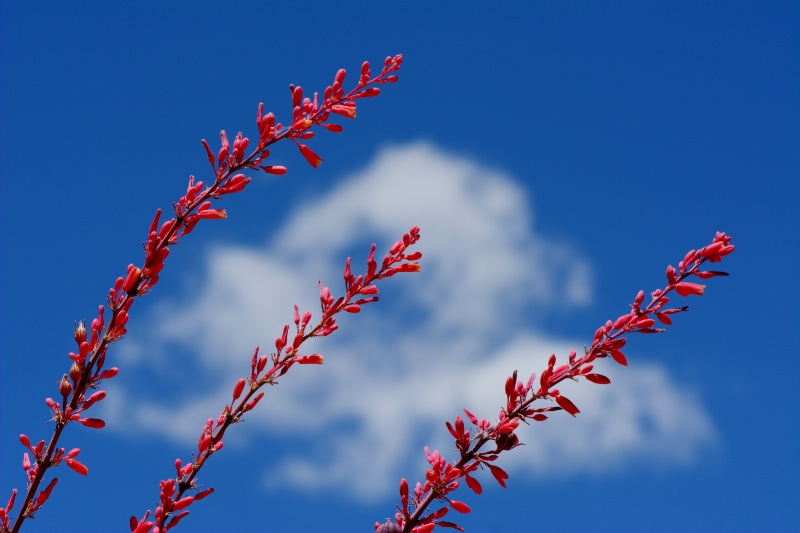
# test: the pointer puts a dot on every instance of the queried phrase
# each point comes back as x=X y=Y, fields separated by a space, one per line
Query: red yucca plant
x=479 y=446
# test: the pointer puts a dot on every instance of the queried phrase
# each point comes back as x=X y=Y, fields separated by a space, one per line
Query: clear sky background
x=557 y=157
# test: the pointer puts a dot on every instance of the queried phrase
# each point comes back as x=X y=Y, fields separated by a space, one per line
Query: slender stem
x=233 y=415
x=62 y=419
x=519 y=411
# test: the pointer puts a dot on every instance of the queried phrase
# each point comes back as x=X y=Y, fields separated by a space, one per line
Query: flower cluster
x=360 y=290
x=443 y=478
x=227 y=164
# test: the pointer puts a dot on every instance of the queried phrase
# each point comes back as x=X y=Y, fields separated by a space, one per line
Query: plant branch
x=87 y=371
x=443 y=478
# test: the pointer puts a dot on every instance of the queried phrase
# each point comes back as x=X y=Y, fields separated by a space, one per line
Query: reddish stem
x=599 y=348
x=222 y=176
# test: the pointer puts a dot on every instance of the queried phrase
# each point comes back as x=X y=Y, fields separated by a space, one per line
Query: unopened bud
x=80 y=332
x=76 y=371
x=672 y=275
x=65 y=387
x=132 y=278
x=387 y=527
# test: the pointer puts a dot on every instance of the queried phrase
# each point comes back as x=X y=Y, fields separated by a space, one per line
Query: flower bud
x=672 y=275
x=387 y=527
x=65 y=387
x=76 y=371
x=132 y=278
x=237 y=390
x=638 y=300
x=80 y=332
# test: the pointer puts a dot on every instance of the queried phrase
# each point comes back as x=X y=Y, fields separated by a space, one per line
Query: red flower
x=313 y=159
x=685 y=288
x=567 y=405
x=315 y=359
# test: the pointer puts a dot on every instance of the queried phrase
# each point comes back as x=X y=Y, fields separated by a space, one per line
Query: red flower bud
x=131 y=278
x=335 y=128
x=619 y=357
x=237 y=390
x=314 y=359
x=212 y=213
x=645 y=322
x=672 y=274
x=183 y=503
x=109 y=373
x=65 y=387
x=94 y=398
x=252 y=403
x=473 y=484
x=95 y=423
x=204 y=443
x=664 y=319
x=567 y=405
x=77 y=466
x=202 y=494
x=144 y=527
x=223 y=152
x=597 y=378
x=639 y=299
x=499 y=474
x=80 y=332
x=369 y=93
x=313 y=159
x=461 y=507
x=622 y=321
x=274 y=169
x=297 y=96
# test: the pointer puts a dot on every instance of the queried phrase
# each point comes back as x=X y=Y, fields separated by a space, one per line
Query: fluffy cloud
x=439 y=341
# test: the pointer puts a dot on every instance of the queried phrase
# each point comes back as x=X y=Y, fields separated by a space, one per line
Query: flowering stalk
x=442 y=478
x=359 y=290
x=87 y=371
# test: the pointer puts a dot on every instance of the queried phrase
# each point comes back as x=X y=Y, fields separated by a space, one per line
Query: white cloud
x=444 y=339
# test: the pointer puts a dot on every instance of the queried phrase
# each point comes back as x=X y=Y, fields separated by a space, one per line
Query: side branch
x=443 y=478
x=359 y=290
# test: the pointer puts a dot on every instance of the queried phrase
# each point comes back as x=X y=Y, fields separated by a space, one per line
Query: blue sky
x=557 y=157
